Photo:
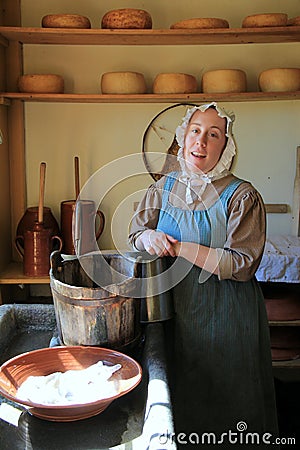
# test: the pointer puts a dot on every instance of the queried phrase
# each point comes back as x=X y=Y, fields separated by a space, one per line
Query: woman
x=214 y=221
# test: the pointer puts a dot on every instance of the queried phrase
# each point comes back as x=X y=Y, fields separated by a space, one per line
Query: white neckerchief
x=196 y=184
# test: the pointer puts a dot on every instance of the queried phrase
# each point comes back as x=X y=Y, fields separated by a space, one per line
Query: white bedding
x=281 y=260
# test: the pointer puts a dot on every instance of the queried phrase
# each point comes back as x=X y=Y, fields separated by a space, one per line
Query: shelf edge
x=149 y=98
x=166 y=36
x=13 y=274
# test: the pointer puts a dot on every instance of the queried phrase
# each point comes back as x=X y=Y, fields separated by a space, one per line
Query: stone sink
x=140 y=420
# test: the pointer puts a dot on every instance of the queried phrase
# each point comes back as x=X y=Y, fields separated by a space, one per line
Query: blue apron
x=222 y=370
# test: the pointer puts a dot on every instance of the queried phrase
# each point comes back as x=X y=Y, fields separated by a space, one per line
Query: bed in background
x=279 y=276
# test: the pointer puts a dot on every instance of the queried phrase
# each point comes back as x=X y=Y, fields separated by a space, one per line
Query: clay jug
x=35 y=246
x=30 y=217
x=86 y=227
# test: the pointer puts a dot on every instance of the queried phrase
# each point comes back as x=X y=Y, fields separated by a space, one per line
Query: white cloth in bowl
x=71 y=387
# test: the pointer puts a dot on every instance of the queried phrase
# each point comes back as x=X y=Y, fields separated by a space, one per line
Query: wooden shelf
x=5 y=97
x=288 y=364
x=219 y=36
x=284 y=323
x=13 y=274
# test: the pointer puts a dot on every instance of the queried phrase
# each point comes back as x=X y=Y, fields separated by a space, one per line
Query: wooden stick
x=77 y=182
x=41 y=192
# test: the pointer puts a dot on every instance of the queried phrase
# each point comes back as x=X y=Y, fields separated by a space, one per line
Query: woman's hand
x=156 y=243
x=205 y=257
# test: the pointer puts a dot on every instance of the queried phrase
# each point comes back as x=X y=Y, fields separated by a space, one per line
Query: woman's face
x=204 y=140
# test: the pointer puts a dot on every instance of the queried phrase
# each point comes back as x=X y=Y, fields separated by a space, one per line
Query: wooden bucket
x=87 y=314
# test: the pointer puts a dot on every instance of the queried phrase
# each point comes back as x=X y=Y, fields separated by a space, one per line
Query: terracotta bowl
x=60 y=359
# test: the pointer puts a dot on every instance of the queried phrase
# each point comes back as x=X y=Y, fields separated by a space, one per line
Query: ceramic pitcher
x=85 y=226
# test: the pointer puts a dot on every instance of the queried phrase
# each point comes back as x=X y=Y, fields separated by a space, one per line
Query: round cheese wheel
x=203 y=22
x=279 y=80
x=224 y=80
x=41 y=83
x=123 y=83
x=265 y=20
x=174 y=83
x=65 y=21
x=127 y=18
x=294 y=21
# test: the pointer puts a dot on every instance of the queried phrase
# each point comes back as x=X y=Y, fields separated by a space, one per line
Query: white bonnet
x=224 y=163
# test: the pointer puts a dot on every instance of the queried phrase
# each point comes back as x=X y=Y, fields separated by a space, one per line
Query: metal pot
x=155 y=307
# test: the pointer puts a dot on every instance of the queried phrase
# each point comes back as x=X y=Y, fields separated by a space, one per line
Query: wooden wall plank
x=296 y=201
x=276 y=208
x=11 y=11
x=5 y=218
x=16 y=132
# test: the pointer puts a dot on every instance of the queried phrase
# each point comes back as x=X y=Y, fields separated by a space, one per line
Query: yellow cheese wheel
x=123 y=83
x=174 y=83
x=265 y=20
x=279 y=80
x=201 y=22
x=65 y=21
x=127 y=18
x=41 y=83
x=224 y=80
x=294 y=21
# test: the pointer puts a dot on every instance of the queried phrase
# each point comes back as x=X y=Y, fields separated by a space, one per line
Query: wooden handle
x=77 y=183
x=42 y=192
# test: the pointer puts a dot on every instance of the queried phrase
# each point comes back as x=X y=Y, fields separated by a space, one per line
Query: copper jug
x=35 y=247
x=86 y=228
